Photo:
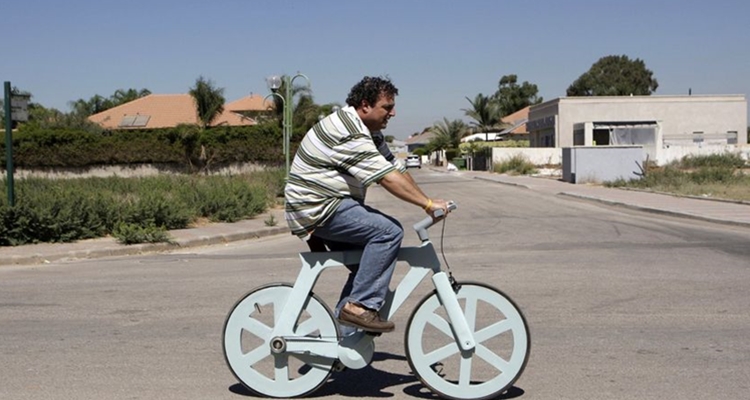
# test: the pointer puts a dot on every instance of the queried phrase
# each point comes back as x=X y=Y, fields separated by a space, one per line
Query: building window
x=698 y=137
x=732 y=137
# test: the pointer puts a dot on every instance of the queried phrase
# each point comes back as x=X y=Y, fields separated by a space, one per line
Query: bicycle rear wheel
x=247 y=343
x=491 y=368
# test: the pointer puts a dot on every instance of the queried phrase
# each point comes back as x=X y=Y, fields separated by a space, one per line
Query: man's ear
x=365 y=106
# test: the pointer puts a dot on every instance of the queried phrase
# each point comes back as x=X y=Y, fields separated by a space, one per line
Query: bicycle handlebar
x=422 y=226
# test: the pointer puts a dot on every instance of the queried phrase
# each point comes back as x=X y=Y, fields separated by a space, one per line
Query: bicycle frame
x=421 y=259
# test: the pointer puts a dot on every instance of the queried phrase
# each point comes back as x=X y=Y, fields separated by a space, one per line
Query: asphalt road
x=620 y=305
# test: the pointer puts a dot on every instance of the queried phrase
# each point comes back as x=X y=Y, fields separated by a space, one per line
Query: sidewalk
x=725 y=212
x=105 y=247
x=717 y=211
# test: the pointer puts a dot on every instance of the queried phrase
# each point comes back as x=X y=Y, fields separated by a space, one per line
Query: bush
x=187 y=146
x=49 y=210
x=518 y=164
x=127 y=233
x=726 y=160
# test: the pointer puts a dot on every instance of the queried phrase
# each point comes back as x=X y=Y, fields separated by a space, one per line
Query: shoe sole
x=365 y=328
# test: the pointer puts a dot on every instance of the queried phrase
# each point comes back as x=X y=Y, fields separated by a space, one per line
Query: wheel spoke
x=493 y=330
x=307 y=328
x=256 y=327
x=464 y=379
x=281 y=370
x=441 y=353
x=441 y=324
x=493 y=359
x=257 y=354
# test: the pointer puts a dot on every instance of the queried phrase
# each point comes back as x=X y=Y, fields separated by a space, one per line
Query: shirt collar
x=353 y=113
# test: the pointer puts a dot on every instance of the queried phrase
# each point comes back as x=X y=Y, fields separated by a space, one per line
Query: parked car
x=413 y=161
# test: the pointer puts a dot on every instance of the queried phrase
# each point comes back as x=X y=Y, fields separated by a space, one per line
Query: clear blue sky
x=437 y=52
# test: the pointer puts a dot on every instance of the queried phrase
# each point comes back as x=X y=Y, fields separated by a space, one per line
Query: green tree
x=615 y=76
x=209 y=101
x=122 y=96
x=485 y=114
x=97 y=103
x=94 y=105
x=511 y=97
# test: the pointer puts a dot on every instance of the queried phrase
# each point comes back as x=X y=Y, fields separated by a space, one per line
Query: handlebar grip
x=422 y=226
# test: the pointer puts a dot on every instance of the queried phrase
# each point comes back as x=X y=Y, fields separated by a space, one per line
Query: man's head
x=375 y=101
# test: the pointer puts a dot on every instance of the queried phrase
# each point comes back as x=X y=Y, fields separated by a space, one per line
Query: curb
x=114 y=249
x=654 y=210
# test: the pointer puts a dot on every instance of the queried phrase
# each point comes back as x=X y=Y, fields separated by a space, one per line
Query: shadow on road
x=372 y=382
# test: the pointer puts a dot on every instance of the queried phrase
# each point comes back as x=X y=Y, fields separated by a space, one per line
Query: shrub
x=49 y=210
x=726 y=160
x=127 y=233
x=518 y=164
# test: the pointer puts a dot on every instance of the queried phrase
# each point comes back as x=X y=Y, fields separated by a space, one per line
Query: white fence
x=553 y=156
x=535 y=155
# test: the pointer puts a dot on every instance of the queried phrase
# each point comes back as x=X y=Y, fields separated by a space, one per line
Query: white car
x=413 y=161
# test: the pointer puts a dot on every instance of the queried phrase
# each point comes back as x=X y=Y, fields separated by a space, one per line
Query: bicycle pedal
x=338 y=366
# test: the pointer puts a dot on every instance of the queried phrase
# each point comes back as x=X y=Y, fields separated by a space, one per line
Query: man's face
x=376 y=116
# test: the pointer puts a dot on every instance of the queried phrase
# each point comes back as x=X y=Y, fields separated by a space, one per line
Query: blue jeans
x=357 y=226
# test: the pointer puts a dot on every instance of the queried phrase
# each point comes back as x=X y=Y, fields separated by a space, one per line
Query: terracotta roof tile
x=253 y=102
x=162 y=111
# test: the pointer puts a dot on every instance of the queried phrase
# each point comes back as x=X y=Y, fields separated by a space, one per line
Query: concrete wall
x=537 y=156
x=599 y=164
x=126 y=171
x=553 y=156
x=676 y=153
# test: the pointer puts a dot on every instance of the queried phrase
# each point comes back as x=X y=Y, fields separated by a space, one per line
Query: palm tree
x=209 y=101
x=485 y=113
x=122 y=96
x=448 y=134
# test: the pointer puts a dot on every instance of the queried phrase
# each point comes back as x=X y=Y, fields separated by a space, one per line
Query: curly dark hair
x=369 y=89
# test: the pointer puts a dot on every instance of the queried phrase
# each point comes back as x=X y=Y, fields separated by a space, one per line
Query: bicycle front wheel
x=502 y=344
x=247 y=343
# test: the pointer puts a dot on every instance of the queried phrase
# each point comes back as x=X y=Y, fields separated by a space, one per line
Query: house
x=516 y=129
x=161 y=111
x=418 y=140
x=517 y=121
x=252 y=106
x=667 y=127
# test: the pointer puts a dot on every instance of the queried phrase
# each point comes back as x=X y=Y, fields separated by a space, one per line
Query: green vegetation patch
x=131 y=209
x=516 y=165
x=722 y=176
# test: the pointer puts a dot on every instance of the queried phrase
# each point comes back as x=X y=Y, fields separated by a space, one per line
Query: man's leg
x=380 y=236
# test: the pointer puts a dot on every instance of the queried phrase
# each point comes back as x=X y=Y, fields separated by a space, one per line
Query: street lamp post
x=275 y=83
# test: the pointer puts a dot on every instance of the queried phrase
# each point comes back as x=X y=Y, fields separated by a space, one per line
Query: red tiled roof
x=253 y=102
x=162 y=111
x=515 y=118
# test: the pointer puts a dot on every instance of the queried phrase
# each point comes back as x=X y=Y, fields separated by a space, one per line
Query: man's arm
x=404 y=187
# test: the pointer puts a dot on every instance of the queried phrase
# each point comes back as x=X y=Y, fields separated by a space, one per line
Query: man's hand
x=437 y=204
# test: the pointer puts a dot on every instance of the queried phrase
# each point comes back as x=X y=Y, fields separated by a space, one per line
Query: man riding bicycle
x=325 y=197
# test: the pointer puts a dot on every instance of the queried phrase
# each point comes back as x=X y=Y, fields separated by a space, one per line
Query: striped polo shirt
x=336 y=159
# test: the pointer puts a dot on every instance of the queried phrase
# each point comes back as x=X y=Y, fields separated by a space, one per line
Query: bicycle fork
x=456 y=317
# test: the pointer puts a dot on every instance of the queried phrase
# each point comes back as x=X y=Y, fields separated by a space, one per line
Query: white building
x=666 y=126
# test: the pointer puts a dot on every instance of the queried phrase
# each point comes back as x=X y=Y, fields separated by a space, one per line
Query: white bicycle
x=463 y=340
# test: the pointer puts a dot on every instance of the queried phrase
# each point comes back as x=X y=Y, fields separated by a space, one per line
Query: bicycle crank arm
x=320 y=347
x=462 y=333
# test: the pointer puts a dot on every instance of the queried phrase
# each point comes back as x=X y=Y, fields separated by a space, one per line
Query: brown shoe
x=369 y=321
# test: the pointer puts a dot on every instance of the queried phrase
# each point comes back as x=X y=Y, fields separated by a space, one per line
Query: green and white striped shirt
x=336 y=159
